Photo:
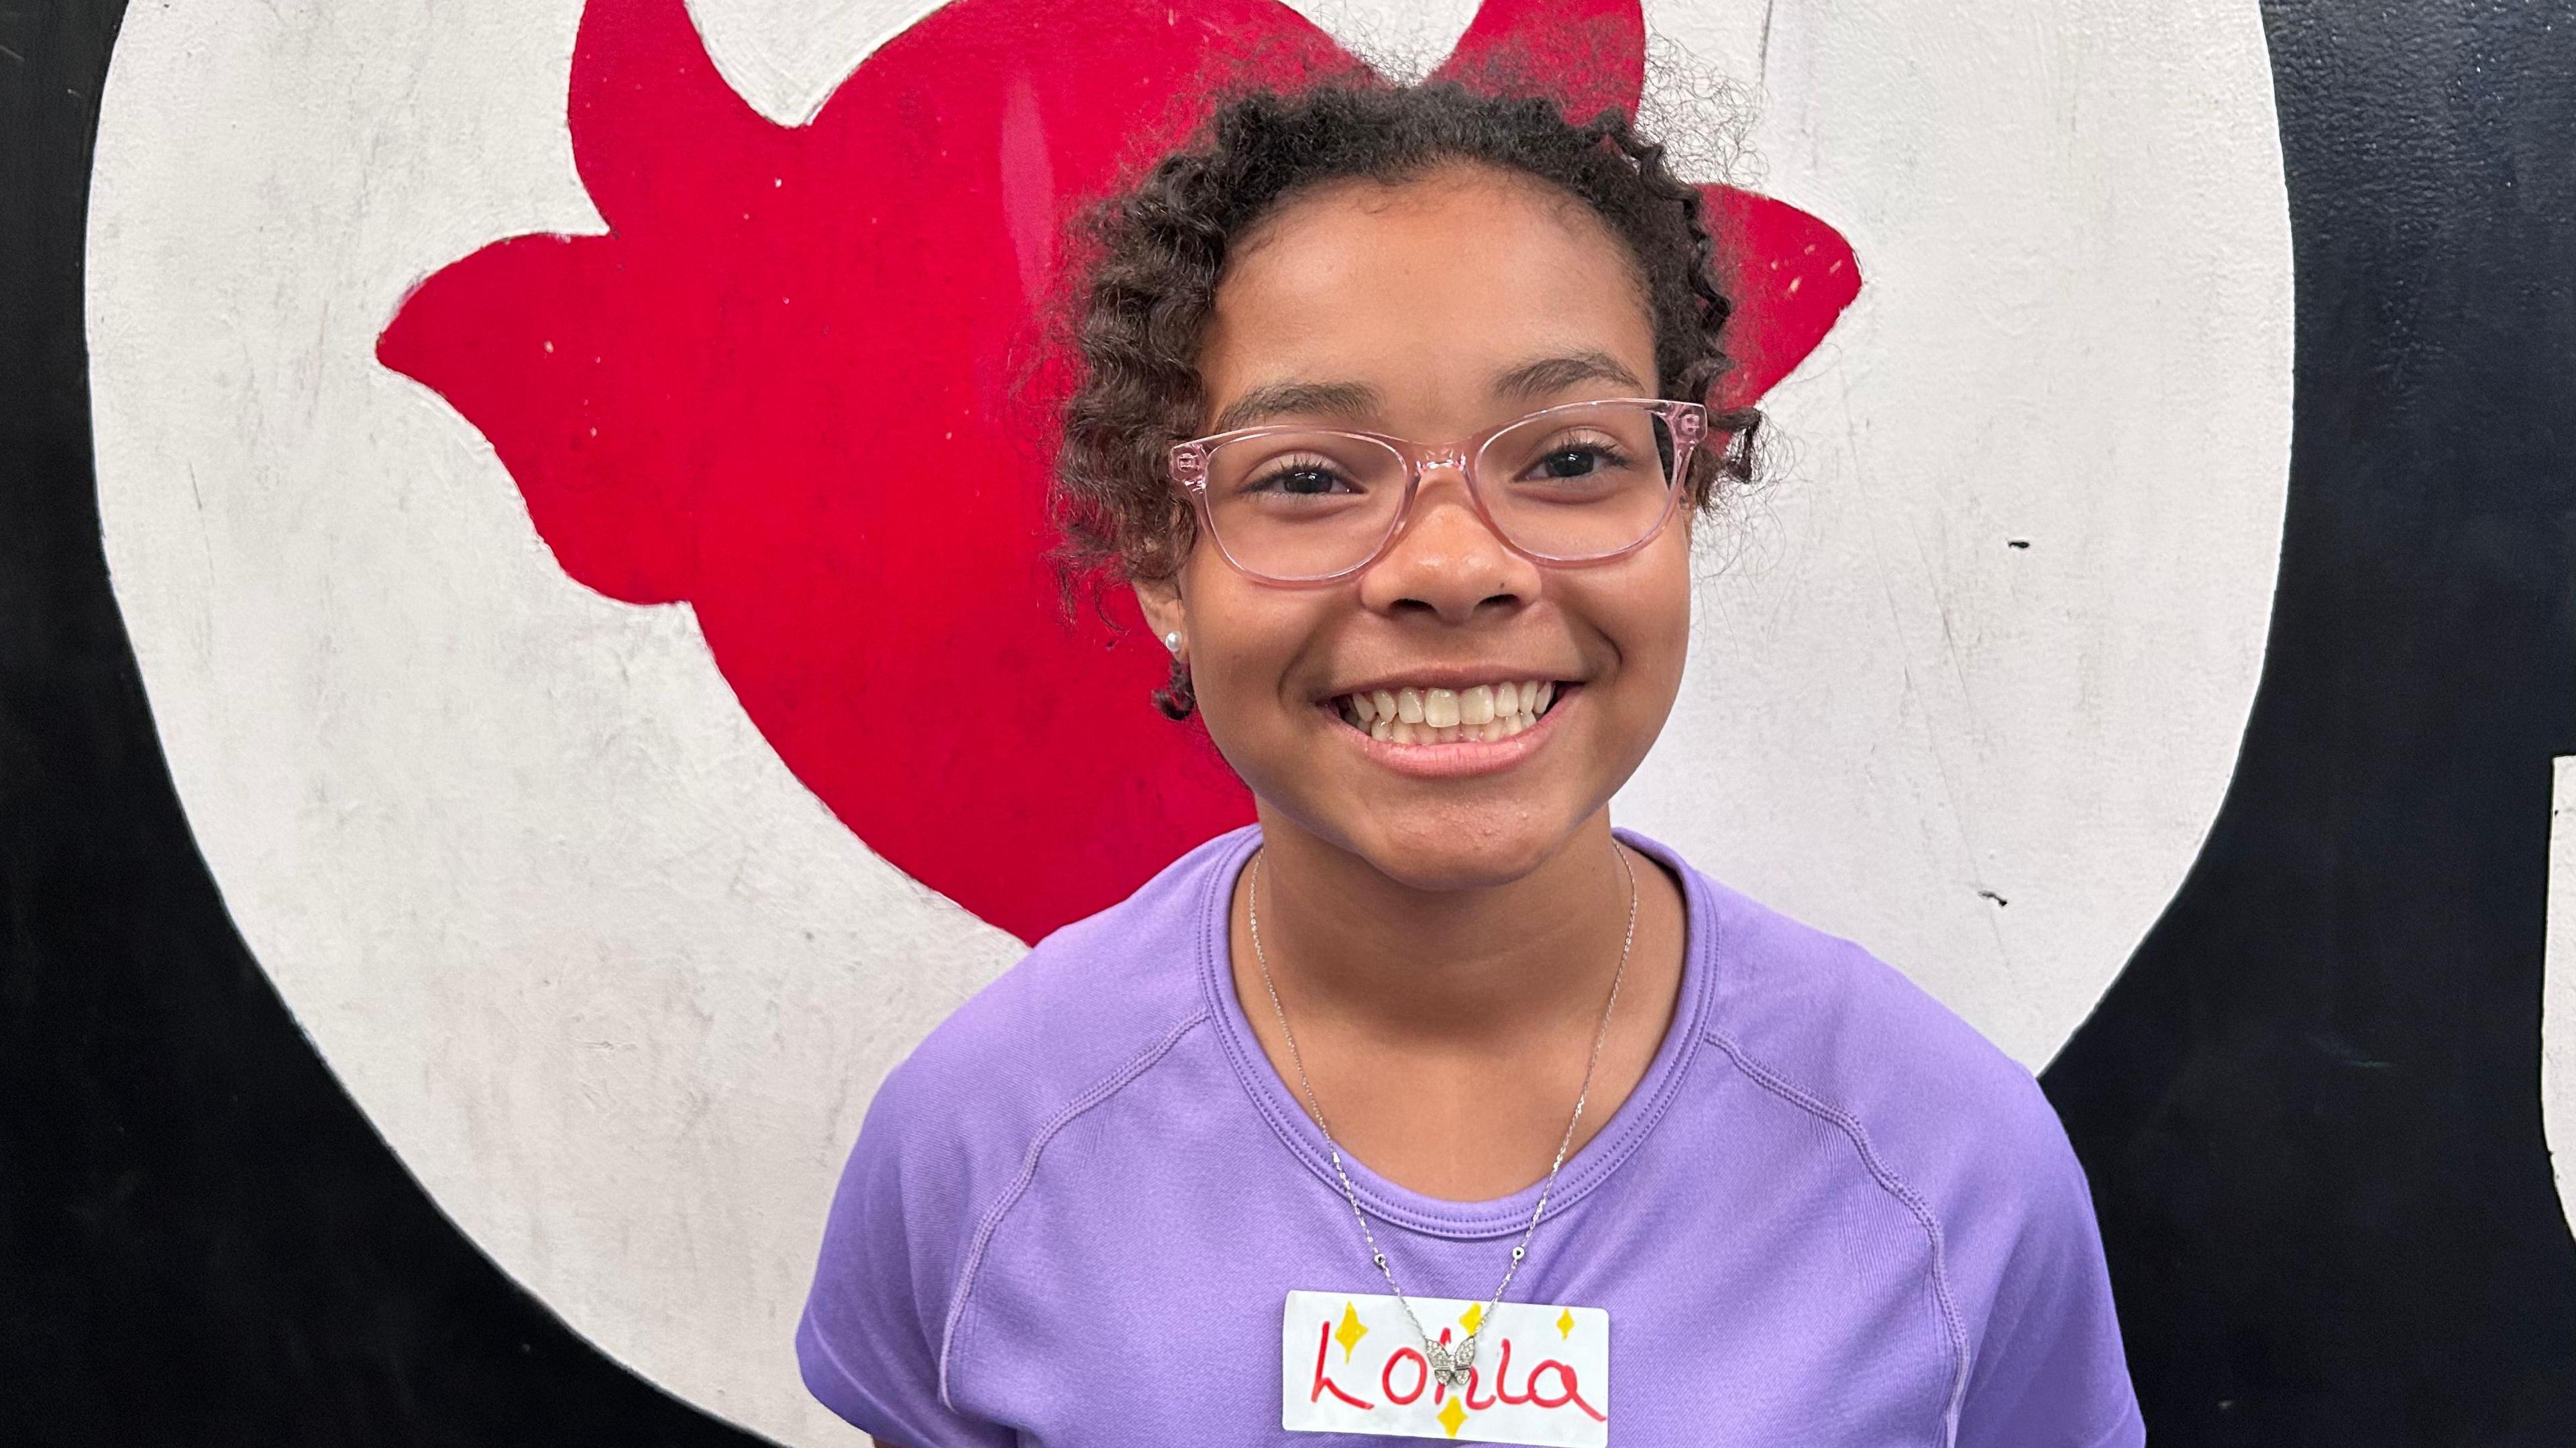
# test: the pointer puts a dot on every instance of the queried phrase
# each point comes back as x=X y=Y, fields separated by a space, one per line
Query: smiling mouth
x=1478 y=714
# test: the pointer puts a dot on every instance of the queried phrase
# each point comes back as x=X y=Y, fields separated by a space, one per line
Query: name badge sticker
x=1350 y=1362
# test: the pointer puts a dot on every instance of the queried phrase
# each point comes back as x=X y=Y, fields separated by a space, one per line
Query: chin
x=1460 y=849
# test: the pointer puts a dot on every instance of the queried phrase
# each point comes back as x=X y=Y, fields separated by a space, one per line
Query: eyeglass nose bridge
x=1453 y=457
x=1456 y=458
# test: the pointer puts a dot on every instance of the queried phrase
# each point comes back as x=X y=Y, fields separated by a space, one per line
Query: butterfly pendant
x=1450 y=1365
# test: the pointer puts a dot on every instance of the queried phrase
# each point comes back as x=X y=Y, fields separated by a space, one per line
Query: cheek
x=1243 y=638
x=1647 y=619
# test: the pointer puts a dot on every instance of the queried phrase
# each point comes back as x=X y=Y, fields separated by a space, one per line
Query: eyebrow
x=1549 y=375
x=1357 y=401
x=1350 y=401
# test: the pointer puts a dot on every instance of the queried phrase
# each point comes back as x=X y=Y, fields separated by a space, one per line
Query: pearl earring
x=1172 y=641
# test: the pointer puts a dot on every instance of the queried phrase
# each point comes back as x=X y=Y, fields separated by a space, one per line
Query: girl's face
x=1420 y=310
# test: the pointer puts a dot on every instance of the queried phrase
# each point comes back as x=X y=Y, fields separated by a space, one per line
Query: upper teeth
x=1442 y=716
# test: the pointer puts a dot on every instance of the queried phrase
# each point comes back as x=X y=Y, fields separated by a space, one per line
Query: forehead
x=1426 y=285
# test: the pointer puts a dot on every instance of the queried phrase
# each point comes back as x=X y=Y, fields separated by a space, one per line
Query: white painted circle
x=616 y=987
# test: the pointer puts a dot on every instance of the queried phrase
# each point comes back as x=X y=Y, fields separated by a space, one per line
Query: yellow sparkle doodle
x=1452 y=1416
x=1350 y=1332
x=1472 y=1318
x=1565 y=1323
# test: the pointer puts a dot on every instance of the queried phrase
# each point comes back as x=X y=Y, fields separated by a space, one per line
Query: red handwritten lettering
x=1565 y=1379
x=1323 y=1384
x=1502 y=1378
x=1386 y=1376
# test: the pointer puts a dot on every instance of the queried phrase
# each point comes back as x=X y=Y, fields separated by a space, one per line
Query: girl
x=1431 y=1105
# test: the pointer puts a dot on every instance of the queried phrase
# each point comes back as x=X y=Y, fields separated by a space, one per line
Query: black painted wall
x=2310 y=1105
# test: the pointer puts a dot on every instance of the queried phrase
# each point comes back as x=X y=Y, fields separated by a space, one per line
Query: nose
x=1446 y=563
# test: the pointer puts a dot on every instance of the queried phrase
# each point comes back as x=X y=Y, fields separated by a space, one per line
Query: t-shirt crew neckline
x=1390 y=1202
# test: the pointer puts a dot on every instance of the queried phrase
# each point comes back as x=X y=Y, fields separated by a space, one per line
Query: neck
x=1346 y=941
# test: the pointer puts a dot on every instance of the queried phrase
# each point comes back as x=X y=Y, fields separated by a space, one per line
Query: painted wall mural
x=800 y=385
x=521 y=603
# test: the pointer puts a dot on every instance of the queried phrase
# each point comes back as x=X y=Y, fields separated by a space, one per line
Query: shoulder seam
x=1108 y=1086
x=1895 y=1186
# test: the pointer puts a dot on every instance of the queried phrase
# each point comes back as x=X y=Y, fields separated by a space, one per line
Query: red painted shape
x=1789 y=275
x=799 y=384
x=1589 y=54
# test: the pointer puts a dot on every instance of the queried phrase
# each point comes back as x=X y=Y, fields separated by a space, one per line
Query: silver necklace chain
x=1448 y=1365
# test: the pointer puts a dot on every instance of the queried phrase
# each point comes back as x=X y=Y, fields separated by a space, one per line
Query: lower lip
x=1462 y=758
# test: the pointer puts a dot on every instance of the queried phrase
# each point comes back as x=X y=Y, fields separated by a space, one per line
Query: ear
x=1160 y=598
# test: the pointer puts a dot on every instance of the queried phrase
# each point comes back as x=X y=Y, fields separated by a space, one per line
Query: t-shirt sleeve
x=871 y=1339
x=2048 y=1370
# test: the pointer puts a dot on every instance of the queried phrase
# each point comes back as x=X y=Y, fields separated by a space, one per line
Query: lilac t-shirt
x=1830 y=1213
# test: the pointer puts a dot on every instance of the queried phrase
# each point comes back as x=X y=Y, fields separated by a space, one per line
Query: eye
x=1300 y=477
x=1575 y=458
x=1570 y=462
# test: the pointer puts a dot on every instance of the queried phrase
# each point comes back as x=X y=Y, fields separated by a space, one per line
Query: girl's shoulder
x=1828 y=1028
x=1923 y=1114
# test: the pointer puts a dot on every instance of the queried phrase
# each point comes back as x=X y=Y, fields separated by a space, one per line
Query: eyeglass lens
x=1569 y=484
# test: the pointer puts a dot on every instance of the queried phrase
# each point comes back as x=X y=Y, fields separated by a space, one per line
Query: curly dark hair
x=1160 y=249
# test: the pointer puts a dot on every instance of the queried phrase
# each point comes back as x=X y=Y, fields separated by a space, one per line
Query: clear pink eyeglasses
x=1577 y=484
